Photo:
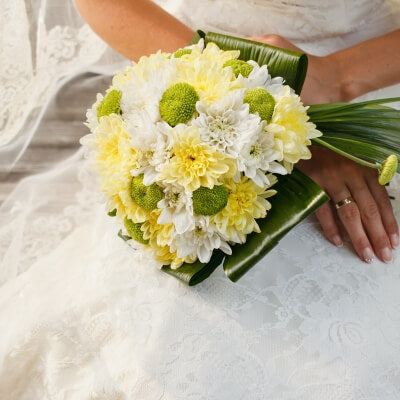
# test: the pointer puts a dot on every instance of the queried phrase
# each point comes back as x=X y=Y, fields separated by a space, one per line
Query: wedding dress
x=84 y=316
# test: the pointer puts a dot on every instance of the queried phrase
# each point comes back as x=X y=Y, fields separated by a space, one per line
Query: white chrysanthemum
x=92 y=121
x=137 y=99
x=156 y=144
x=177 y=208
x=258 y=157
x=199 y=242
x=260 y=78
x=227 y=124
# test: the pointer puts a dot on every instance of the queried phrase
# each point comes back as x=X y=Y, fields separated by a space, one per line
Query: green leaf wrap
x=192 y=274
x=298 y=196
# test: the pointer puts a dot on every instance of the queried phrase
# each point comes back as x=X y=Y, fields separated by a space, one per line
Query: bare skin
x=137 y=28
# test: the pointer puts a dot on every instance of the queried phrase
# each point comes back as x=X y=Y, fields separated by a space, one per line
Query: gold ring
x=344 y=202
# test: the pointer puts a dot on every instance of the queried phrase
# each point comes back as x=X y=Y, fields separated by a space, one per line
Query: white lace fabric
x=84 y=316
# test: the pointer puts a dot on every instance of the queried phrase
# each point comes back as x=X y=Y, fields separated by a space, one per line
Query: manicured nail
x=337 y=241
x=368 y=255
x=387 y=255
x=395 y=240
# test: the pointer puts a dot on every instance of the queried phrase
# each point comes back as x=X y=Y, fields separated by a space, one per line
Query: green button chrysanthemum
x=260 y=101
x=181 y=52
x=146 y=196
x=388 y=169
x=178 y=104
x=209 y=201
x=239 y=67
x=110 y=104
x=134 y=230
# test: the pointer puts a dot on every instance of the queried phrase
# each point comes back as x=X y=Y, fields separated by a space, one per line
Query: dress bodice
x=342 y=22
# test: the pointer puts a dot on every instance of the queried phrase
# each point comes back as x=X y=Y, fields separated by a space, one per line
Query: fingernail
x=368 y=255
x=387 y=255
x=395 y=240
x=337 y=241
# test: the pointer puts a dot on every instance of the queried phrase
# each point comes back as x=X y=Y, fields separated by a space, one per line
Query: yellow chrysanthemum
x=157 y=234
x=122 y=77
x=212 y=54
x=164 y=255
x=196 y=164
x=246 y=202
x=114 y=158
x=291 y=129
x=159 y=237
x=206 y=74
x=142 y=69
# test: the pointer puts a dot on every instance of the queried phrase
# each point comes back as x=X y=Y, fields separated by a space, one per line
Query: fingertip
x=367 y=255
x=394 y=240
x=337 y=240
x=386 y=255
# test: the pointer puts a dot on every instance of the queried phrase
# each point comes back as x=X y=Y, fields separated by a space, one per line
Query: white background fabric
x=84 y=316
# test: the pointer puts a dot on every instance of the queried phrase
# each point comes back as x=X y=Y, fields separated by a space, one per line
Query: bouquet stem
x=345 y=154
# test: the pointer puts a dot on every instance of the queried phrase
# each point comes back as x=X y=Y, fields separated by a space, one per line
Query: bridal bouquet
x=189 y=147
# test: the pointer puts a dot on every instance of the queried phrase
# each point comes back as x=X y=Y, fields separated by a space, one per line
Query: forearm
x=134 y=28
x=368 y=66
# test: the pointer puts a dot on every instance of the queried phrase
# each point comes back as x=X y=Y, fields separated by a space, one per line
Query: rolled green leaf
x=367 y=129
x=290 y=65
x=192 y=274
x=298 y=196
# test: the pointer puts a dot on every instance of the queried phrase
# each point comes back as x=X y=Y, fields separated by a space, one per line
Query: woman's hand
x=322 y=84
x=369 y=220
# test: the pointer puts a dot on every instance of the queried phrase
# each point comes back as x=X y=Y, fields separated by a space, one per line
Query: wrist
x=350 y=75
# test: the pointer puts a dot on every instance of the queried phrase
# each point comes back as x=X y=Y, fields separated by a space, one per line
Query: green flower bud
x=181 y=52
x=260 y=101
x=388 y=169
x=145 y=196
x=178 y=104
x=134 y=230
x=110 y=104
x=209 y=201
x=239 y=67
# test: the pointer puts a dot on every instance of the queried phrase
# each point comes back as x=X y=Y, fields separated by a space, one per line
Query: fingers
x=386 y=210
x=328 y=223
x=372 y=221
x=350 y=216
x=369 y=219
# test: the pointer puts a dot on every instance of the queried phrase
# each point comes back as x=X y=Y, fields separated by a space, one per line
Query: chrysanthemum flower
x=199 y=242
x=259 y=157
x=290 y=127
x=111 y=154
x=194 y=163
x=206 y=73
x=177 y=208
x=166 y=257
x=155 y=233
x=227 y=125
x=246 y=203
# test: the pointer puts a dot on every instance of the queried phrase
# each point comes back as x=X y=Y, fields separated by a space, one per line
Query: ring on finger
x=344 y=202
